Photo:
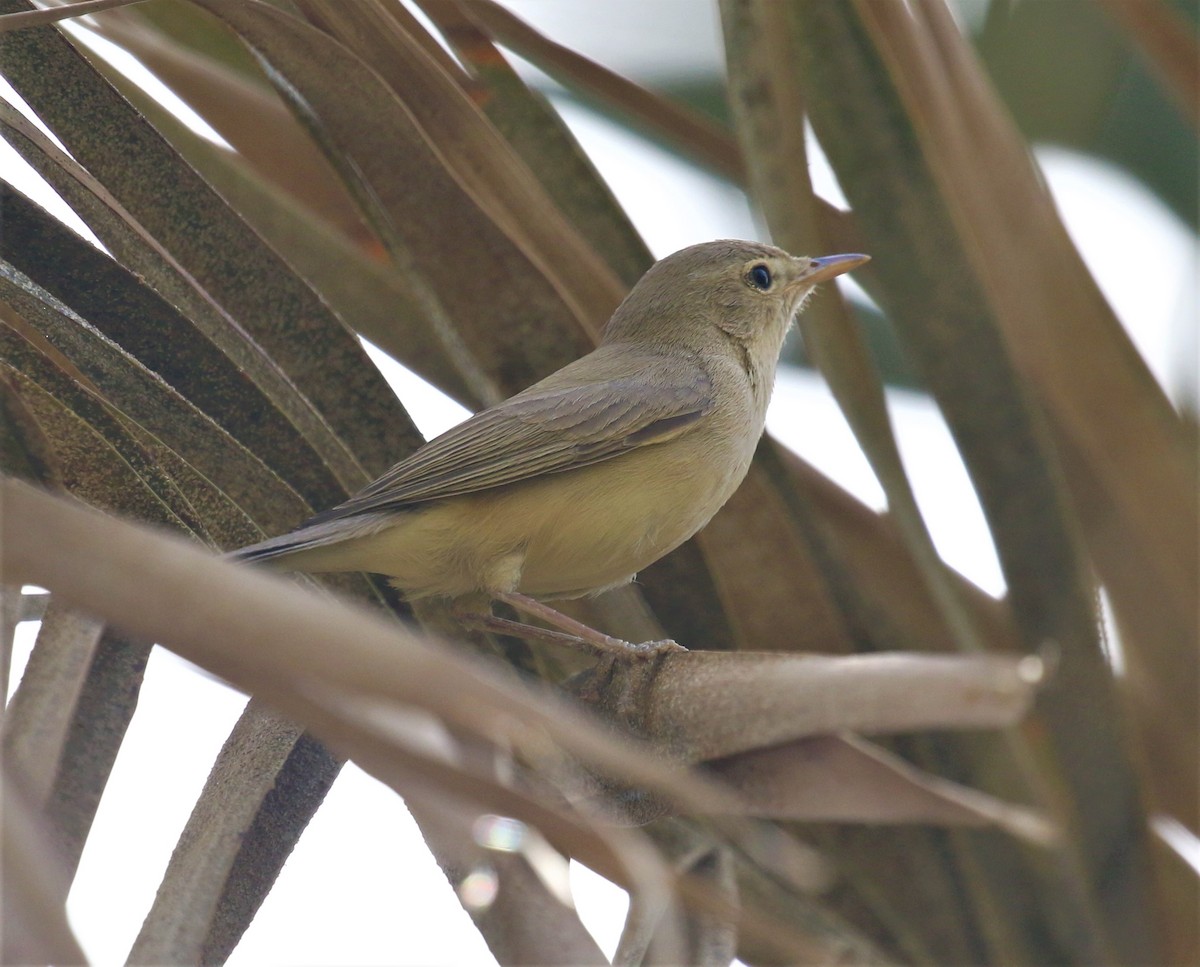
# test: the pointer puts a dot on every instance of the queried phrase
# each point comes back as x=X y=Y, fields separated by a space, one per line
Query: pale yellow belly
x=561 y=536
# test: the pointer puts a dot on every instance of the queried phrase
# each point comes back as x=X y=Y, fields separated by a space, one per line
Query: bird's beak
x=828 y=266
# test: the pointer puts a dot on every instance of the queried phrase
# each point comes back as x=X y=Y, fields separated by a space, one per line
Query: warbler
x=580 y=481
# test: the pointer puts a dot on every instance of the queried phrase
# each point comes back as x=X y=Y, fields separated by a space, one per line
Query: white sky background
x=360 y=887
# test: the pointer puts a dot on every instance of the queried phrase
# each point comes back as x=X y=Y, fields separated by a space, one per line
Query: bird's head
x=747 y=291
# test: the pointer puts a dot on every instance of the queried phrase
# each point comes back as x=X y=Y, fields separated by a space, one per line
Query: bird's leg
x=517 y=629
x=580 y=632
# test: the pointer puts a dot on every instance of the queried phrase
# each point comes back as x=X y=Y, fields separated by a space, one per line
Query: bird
x=574 y=485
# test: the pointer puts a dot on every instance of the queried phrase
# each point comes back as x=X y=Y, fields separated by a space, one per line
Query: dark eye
x=760 y=277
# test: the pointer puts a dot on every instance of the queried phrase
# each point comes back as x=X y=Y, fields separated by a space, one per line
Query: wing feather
x=544 y=430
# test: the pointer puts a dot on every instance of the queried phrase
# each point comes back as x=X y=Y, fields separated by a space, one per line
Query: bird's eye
x=760 y=277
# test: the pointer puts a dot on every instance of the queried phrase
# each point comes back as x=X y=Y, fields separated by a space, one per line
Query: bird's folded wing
x=538 y=432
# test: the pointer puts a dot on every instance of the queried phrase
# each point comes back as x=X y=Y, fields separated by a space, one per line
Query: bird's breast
x=607 y=522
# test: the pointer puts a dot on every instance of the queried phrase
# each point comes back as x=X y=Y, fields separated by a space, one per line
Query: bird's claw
x=653 y=649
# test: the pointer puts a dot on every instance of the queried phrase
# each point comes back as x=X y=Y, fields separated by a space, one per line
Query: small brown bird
x=572 y=486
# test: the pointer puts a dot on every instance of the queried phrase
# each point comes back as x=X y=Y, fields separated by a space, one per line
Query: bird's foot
x=651 y=649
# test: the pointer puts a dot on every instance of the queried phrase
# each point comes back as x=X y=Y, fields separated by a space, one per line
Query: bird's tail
x=309 y=536
x=270 y=549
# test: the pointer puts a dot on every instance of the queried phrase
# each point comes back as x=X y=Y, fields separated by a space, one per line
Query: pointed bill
x=828 y=266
